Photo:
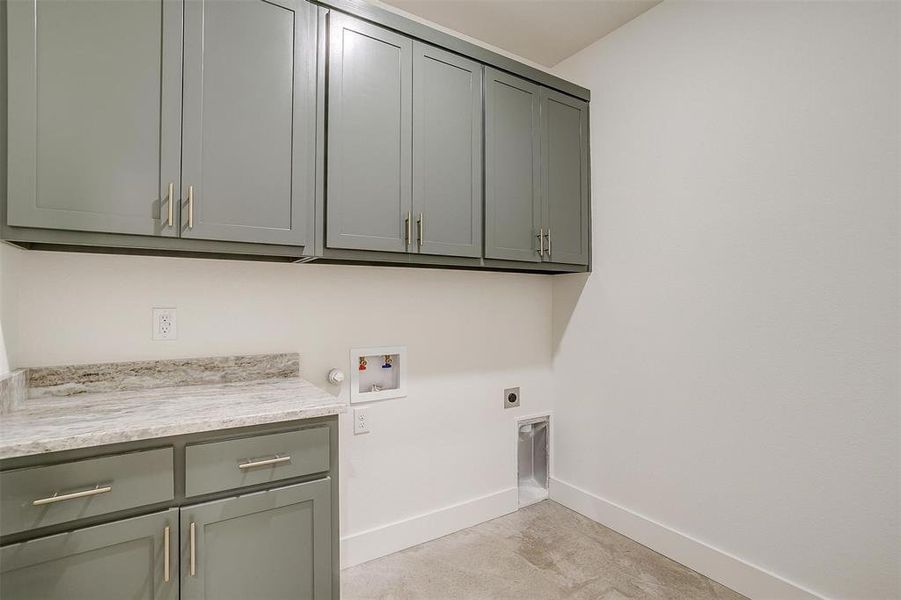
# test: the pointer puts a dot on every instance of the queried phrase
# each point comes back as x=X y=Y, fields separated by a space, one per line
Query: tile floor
x=544 y=551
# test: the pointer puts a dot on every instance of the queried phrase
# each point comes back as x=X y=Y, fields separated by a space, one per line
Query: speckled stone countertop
x=50 y=423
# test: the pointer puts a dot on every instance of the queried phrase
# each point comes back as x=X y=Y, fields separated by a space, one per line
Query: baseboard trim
x=379 y=541
x=731 y=571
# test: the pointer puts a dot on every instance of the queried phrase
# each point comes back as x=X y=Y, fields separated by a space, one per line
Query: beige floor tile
x=544 y=551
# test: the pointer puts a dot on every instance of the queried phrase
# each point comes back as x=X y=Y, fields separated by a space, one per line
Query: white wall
x=469 y=335
x=730 y=368
x=8 y=256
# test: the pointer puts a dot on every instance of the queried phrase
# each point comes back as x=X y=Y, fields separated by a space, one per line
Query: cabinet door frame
x=555 y=256
x=335 y=237
x=421 y=53
x=492 y=78
x=318 y=492
x=22 y=192
x=303 y=136
x=54 y=547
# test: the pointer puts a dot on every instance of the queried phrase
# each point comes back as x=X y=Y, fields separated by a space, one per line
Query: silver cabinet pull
x=407 y=232
x=548 y=242
x=275 y=460
x=541 y=242
x=171 y=202
x=166 y=554
x=420 y=229
x=190 y=207
x=82 y=494
x=193 y=544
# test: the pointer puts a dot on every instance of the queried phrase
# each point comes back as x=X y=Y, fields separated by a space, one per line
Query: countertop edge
x=93 y=440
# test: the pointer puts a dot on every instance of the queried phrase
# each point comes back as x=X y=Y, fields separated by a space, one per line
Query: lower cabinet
x=270 y=545
x=248 y=514
x=133 y=558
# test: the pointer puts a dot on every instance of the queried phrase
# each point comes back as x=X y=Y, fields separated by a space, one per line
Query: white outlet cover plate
x=165 y=325
x=361 y=420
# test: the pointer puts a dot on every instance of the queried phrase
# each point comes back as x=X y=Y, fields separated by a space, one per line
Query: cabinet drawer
x=218 y=466
x=41 y=496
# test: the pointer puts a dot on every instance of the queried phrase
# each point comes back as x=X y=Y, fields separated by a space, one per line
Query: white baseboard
x=370 y=544
x=731 y=571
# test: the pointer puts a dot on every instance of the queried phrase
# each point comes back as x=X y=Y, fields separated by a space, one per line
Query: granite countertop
x=50 y=422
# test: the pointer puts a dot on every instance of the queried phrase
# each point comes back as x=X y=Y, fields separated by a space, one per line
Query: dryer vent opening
x=532 y=460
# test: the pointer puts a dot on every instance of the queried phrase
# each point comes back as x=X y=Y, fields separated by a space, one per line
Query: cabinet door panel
x=369 y=143
x=94 y=114
x=123 y=559
x=249 y=128
x=270 y=545
x=512 y=194
x=447 y=152
x=564 y=162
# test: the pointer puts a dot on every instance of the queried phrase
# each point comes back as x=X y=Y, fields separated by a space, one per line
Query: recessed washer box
x=378 y=373
x=533 y=458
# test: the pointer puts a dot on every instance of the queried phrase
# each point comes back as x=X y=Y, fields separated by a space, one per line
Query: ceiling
x=543 y=31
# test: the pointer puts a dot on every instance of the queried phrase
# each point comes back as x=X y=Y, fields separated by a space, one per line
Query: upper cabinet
x=447 y=153
x=369 y=141
x=404 y=144
x=94 y=136
x=564 y=178
x=288 y=130
x=536 y=173
x=249 y=120
x=512 y=168
x=103 y=138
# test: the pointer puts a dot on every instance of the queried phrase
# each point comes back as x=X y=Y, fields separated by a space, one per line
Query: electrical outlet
x=164 y=324
x=511 y=397
x=361 y=420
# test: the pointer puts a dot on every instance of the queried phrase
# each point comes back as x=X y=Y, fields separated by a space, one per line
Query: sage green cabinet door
x=447 y=152
x=564 y=176
x=94 y=114
x=123 y=559
x=271 y=545
x=512 y=194
x=369 y=136
x=249 y=120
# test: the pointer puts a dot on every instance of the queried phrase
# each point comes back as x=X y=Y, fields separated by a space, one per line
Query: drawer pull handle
x=82 y=494
x=193 y=543
x=276 y=460
x=166 y=558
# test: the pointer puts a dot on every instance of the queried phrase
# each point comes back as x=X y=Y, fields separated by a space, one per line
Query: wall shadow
x=567 y=292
